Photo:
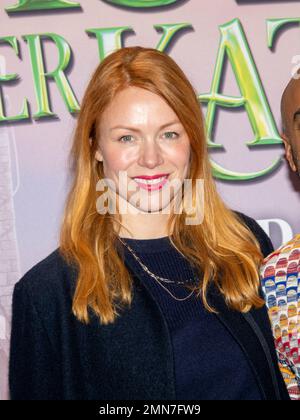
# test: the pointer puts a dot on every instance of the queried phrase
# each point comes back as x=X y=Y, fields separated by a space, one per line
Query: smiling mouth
x=151 y=184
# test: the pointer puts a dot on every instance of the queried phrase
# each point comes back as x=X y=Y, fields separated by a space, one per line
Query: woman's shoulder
x=41 y=314
x=49 y=277
x=261 y=236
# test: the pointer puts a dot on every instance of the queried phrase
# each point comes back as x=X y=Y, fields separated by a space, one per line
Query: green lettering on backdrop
x=169 y=30
x=12 y=41
x=234 y=44
x=273 y=25
x=110 y=39
x=141 y=3
x=40 y=76
x=29 y=5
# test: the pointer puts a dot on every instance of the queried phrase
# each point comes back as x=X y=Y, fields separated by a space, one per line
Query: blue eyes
x=172 y=132
x=122 y=139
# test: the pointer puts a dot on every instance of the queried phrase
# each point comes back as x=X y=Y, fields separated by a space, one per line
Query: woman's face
x=139 y=133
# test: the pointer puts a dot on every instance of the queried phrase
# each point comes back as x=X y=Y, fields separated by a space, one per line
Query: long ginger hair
x=221 y=248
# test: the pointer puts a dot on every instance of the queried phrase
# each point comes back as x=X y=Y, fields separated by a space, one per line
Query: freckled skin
x=148 y=151
x=290 y=104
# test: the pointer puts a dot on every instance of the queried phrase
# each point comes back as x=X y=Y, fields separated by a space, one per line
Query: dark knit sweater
x=205 y=354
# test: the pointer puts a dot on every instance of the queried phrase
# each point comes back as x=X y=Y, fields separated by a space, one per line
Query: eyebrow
x=297 y=114
x=136 y=129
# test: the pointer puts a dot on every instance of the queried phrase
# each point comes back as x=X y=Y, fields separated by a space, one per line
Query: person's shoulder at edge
x=284 y=250
x=50 y=274
x=286 y=258
x=275 y=269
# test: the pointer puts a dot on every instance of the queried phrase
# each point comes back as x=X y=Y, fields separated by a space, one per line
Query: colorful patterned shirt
x=281 y=284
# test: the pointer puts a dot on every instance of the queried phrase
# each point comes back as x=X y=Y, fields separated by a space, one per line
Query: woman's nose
x=150 y=154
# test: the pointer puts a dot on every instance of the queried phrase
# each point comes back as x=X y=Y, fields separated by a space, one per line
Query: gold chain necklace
x=158 y=279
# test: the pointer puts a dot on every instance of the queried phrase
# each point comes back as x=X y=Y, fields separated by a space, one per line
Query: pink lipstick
x=151 y=183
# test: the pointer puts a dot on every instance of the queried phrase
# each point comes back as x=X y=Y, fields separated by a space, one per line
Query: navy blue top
x=209 y=363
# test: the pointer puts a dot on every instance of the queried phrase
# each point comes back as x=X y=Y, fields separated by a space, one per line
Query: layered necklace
x=158 y=279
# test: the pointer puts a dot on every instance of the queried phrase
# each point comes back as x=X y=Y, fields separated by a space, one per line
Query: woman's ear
x=289 y=152
x=98 y=155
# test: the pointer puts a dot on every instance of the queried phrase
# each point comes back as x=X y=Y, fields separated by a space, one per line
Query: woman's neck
x=144 y=226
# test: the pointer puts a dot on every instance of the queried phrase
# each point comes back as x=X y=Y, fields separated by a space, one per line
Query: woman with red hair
x=145 y=303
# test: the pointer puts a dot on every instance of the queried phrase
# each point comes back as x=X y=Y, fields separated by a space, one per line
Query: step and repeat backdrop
x=239 y=55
